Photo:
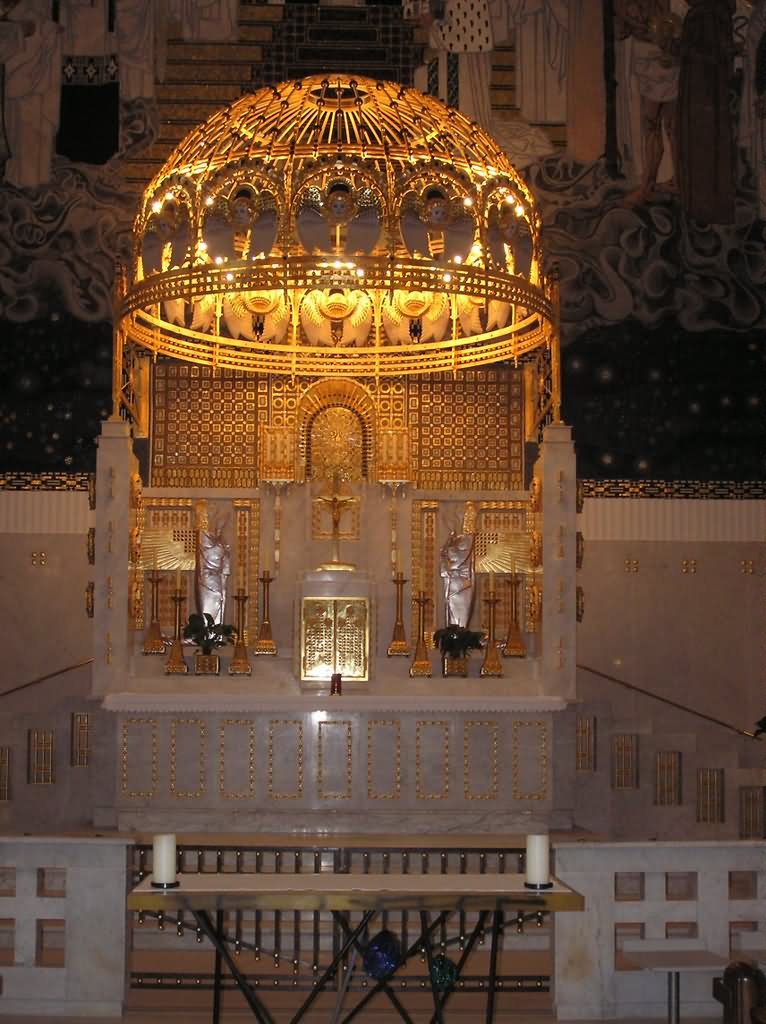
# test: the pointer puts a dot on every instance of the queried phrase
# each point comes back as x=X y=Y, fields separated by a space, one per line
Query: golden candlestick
x=153 y=640
x=421 y=664
x=265 y=643
x=240 y=663
x=176 y=665
x=514 y=646
x=399 y=645
x=491 y=666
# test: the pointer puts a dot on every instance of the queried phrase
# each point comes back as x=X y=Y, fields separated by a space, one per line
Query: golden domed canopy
x=337 y=226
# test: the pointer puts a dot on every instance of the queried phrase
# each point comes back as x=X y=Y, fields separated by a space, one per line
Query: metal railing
x=285 y=950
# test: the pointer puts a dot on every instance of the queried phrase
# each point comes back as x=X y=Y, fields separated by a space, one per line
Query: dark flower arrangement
x=206 y=633
x=456 y=641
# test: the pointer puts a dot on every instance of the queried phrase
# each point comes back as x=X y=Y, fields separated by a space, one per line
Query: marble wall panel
x=386 y=772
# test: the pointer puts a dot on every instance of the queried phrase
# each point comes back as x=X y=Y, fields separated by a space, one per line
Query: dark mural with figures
x=659 y=243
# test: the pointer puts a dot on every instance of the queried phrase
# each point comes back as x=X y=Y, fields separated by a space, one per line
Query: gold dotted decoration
x=373 y=725
x=277 y=725
x=541 y=793
x=323 y=734
x=468 y=729
x=128 y=726
x=231 y=724
x=175 y=726
x=420 y=727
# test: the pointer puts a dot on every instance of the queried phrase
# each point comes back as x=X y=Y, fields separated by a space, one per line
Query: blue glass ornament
x=382 y=955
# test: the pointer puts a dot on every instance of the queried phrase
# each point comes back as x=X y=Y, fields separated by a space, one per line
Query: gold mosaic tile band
x=708 y=489
x=44 y=481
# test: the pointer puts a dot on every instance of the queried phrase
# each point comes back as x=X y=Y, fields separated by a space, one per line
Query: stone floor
x=148 y=1017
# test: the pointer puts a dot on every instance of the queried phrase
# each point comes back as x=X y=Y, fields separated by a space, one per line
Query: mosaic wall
x=465 y=434
x=204 y=429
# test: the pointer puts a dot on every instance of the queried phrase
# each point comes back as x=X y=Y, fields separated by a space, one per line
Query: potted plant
x=207 y=634
x=455 y=642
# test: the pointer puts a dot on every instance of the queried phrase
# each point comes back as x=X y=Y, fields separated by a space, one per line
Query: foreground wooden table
x=434 y=897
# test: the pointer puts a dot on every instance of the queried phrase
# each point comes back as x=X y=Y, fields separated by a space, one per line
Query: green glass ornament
x=443 y=972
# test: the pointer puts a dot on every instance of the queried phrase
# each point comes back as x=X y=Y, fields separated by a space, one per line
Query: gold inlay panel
x=710 y=796
x=480 y=759
x=41 y=757
x=188 y=758
x=286 y=759
x=432 y=755
x=625 y=761
x=335 y=760
x=384 y=759
x=6 y=760
x=79 y=739
x=529 y=760
x=236 y=758
x=138 y=775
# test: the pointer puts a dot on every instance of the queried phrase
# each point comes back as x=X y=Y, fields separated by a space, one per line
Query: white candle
x=164 y=859
x=538 y=860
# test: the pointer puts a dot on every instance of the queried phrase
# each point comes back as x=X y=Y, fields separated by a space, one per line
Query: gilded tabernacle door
x=335 y=639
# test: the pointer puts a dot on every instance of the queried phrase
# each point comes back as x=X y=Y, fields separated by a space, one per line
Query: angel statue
x=457 y=570
x=213 y=565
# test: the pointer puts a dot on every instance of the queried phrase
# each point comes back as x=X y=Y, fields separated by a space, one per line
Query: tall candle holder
x=491 y=666
x=421 y=663
x=514 y=646
x=153 y=639
x=176 y=665
x=399 y=645
x=240 y=663
x=265 y=642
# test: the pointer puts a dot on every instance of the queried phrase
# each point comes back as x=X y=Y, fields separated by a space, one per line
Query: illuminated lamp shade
x=337 y=226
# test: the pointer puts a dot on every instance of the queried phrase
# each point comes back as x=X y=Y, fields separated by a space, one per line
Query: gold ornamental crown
x=337 y=226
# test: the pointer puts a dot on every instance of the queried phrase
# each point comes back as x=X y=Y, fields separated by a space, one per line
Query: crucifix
x=336 y=504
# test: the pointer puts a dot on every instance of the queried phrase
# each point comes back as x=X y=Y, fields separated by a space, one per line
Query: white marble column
x=111 y=635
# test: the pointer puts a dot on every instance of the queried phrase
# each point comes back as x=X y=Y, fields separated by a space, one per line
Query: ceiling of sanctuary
x=662 y=312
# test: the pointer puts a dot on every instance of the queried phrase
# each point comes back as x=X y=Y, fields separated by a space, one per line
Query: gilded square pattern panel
x=335 y=765
x=384 y=759
x=139 y=758
x=285 y=759
x=530 y=760
x=467 y=432
x=204 y=427
x=236 y=759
